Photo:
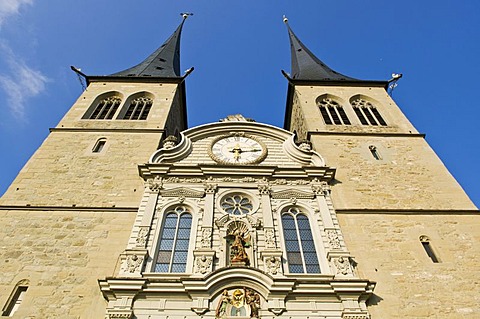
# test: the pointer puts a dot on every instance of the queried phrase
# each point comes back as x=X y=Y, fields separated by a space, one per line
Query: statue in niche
x=240 y=241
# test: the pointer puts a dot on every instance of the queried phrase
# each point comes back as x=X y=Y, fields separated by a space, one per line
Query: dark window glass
x=173 y=247
x=138 y=109
x=299 y=244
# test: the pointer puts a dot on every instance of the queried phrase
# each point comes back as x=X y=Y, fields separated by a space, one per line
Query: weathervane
x=392 y=83
x=186 y=14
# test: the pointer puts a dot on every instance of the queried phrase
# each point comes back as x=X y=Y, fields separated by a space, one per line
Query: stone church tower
x=346 y=213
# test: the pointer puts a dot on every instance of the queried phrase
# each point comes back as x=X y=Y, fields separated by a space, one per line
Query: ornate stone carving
x=126 y=314
x=272 y=265
x=244 y=303
x=203 y=264
x=270 y=239
x=175 y=179
x=182 y=192
x=292 y=193
x=317 y=189
x=247 y=179
x=333 y=240
x=169 y=142
x=264 y=189
x=284 y=181
x=355 y=316
x=305 y=145
x=343 y=266
x=142 y=236
x=132 y=264
x=253 y=221
x=253 y=300
x=210 y=188
x=154 y=184
x=206 y=238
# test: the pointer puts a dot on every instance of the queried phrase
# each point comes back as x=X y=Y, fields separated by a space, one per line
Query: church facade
x=345 y=213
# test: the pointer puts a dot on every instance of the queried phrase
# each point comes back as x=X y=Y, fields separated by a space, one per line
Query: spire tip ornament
x=186 y=14
x=285 y=19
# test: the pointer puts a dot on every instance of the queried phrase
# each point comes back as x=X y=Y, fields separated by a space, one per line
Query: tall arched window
x=105 y=109
x=174 y=241
x=299 y=244
x=138 y=109
x=367 y=113
x=332 y=112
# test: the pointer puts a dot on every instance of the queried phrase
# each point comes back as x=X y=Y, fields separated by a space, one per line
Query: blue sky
x=238 y=49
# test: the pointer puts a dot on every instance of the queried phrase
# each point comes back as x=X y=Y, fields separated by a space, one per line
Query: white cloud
x=11 y=7
x=21 y=84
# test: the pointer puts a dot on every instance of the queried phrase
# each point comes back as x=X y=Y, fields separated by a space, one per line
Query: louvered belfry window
x=174 y=241
x=138 y=109
x=299 y=243
x=367 y=113
x=332 y=112
x=106 y=108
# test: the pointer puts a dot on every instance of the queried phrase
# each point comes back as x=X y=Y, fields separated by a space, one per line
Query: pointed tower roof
x=162 y=65
x=164 y=62
x=306 y=66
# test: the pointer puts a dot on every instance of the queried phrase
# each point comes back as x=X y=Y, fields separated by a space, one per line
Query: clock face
x=237 y=150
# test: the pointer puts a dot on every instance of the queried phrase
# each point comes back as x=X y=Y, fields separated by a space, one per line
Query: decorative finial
x=186 y=14
x=285 y=19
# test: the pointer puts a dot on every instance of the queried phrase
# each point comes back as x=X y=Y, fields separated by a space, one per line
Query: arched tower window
x=367 y=113
x=299 y=244
x=138 y=109
x=172 y=250
x=105 y=109
x=332 y=112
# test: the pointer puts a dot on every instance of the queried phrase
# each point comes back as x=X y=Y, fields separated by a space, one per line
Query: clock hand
x=236 y=152
x=252 y=150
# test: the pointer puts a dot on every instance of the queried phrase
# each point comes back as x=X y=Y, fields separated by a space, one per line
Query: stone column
x=204 y=255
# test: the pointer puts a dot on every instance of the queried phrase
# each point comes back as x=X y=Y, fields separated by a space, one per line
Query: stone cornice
x=383 y=134
x=117 y=130
x=395 y=211
x=147 y=171
x=70 y=208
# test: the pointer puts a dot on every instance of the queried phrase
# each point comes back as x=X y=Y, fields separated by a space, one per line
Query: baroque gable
x=237 y=143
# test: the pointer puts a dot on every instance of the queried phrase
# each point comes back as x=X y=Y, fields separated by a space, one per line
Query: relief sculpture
x=243 y=303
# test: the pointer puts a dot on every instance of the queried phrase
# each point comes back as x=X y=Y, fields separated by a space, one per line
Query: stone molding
x=182 y=192
x=292 y=193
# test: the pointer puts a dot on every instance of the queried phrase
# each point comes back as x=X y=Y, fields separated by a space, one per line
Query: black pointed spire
x=306 y=66
x=164 y=62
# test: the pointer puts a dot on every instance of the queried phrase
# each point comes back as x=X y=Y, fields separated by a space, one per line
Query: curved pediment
x=237 y=143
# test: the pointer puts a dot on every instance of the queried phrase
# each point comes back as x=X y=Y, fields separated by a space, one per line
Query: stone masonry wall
x=409 y=285
x=408 y=175
x=62 y=254
x=64 y=171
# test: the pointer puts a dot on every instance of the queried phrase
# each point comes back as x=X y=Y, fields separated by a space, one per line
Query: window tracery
x=138 y=109
x=172 y=252
x=367 y=113
x=106 y=108
x=237 y=204
x=332 y=112
x=299 y=244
